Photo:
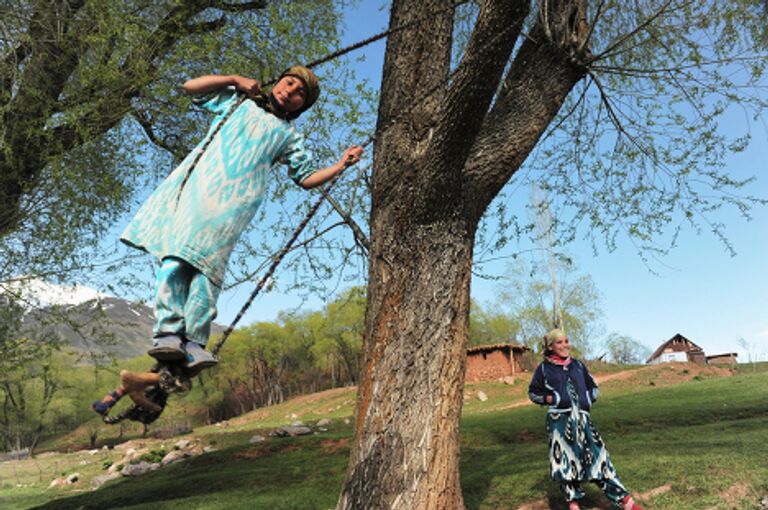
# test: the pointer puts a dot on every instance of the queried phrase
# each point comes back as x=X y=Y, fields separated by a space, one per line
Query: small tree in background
x=527 y=294
x=491 y=327
x=626 y=350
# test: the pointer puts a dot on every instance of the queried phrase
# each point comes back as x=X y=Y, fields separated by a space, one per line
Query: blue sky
x=698 y=290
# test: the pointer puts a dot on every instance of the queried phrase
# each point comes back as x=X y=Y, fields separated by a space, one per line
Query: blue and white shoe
x=168 y=348
x=198 y=358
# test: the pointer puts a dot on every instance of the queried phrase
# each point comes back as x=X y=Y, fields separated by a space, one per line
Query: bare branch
x=463 y=110
x=643 y=25
x=519 y=118
x=148 y=126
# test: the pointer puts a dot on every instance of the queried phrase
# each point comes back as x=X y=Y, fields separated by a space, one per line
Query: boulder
x=101 y=480
x=291 y=431
x=138 y=469
x=174 y=456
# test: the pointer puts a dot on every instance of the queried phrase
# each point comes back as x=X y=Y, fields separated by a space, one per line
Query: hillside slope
x=683 y=438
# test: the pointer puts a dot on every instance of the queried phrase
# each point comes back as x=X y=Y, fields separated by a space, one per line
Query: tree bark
x=410 y=392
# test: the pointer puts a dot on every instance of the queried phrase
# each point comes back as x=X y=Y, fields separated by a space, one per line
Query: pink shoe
x=630 y=504
x=573 y=505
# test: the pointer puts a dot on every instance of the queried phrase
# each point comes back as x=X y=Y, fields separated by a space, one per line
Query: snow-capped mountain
x=37 y=293
x=87 y=320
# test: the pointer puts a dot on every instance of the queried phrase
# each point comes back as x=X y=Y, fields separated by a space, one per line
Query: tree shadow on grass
x=231 y=478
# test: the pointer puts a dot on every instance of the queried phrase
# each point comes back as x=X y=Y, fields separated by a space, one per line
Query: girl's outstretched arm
x=211 y=82
x=319 y=177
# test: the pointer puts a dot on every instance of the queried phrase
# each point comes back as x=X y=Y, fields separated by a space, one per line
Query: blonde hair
x=550 y=338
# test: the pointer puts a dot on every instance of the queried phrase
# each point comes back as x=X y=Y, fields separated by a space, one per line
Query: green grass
x=706 y=438
x=702 y=437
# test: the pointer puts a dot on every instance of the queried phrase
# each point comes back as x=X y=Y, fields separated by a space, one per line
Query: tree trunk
x=410 y=392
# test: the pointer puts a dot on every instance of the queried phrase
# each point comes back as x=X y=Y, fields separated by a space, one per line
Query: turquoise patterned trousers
x=185 y=303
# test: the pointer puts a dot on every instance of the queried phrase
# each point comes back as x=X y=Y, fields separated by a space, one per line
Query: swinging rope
x=273 y=267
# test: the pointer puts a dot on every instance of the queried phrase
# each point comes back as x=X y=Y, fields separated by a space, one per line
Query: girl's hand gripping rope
x=249 y=86
x=350 y=157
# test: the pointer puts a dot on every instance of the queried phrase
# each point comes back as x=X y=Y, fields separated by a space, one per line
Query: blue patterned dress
x=577 y=453
x=202 y=222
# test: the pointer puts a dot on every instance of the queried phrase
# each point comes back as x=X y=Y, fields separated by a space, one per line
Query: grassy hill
x=680 y=436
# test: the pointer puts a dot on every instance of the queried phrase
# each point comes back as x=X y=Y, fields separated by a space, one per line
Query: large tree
x=455 y=127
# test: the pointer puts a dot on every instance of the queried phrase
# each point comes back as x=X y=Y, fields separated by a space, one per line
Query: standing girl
x=194 y=218
x=577 y=453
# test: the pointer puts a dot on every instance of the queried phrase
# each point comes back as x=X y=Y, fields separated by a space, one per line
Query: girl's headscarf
x=311 y=85
x=546 y=346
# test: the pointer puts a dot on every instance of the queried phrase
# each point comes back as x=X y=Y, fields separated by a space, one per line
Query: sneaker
x=198 y=358
x=630 y=504
x=167 y=348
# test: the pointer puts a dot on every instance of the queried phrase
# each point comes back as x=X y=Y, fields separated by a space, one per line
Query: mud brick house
x=491 y=362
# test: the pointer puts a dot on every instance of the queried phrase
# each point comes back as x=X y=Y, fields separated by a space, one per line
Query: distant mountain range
x=87 y=320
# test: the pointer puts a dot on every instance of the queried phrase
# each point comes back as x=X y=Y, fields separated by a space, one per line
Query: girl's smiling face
x=290 y=93
x=561 y=347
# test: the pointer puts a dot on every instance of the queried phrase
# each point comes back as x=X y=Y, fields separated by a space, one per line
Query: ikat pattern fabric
x=202 y=222
x=185 y=304
x=577 y=452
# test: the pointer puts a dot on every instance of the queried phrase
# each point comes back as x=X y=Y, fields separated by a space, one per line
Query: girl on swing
x=194 y=218
x=577 y=453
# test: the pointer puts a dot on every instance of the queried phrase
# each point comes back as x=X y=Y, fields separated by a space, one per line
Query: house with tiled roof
x=678 y=348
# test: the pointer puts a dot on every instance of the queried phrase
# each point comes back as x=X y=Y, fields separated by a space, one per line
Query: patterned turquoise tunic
x=224 y=190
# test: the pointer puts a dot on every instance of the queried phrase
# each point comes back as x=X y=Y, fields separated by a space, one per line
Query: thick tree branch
x=538 y=82
x=474 y=85
x=243 y=7
x=416 y=65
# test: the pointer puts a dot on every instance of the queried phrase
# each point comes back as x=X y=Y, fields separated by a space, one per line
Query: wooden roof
x=678 y=337
x=494 y=347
